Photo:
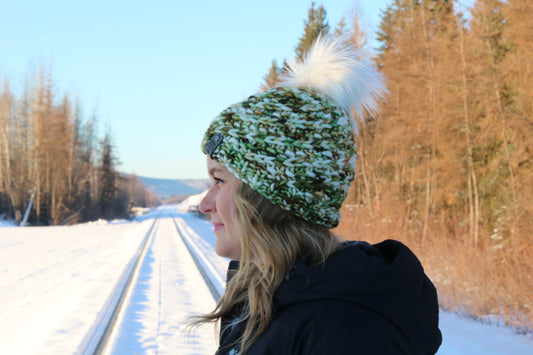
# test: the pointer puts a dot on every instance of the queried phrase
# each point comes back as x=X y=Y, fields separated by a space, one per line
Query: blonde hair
x=272 y=240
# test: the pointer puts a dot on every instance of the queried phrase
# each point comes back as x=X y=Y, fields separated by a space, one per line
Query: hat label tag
x=213 y=144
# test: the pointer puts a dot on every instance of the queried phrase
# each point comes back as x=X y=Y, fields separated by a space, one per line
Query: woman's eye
x=217 y=181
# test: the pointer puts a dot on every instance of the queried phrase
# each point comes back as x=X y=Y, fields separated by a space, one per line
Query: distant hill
x=164 y=188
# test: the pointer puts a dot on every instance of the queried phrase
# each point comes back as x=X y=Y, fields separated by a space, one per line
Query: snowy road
x=55 y=282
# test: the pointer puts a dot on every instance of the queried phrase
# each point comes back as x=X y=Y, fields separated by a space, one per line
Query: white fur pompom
x=334 y=68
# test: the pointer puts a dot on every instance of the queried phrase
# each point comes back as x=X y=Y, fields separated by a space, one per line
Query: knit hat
x=294 y=144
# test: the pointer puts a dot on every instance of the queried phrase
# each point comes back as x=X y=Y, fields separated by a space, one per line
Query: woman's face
x=219 y=203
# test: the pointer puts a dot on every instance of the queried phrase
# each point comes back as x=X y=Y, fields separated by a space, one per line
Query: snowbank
x=190 y=204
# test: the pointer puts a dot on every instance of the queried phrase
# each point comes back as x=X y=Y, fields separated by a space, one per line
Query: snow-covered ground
x=170 y=289
x=55 y=281
x=466 y=336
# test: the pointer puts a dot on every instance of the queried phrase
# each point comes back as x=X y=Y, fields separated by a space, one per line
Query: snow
x=55 y=282
x=191 y=201
x=168 y=292
x=463 y=335
x=90 y=343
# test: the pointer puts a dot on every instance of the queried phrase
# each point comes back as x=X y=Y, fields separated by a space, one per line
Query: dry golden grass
x=493 y=282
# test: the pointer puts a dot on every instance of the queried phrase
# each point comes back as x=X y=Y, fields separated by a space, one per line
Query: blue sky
x=158 y=71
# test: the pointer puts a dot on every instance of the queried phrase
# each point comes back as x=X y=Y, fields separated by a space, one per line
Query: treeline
x=53 y=157
x=447 y=164
x=453 y=143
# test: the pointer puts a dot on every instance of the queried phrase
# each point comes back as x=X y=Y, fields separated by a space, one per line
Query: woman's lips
x=218 y=226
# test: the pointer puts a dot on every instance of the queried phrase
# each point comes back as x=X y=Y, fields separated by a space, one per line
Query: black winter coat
x=366 y=299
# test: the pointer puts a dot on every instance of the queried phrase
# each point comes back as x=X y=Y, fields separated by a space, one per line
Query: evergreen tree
x=415 y=55
x=517 y=71
x=450 y=151
x=518 y=34
x=315 y=25
x=272 y=78
x=494 y=149
x=108 y=176
x=341 y=29
x=387 y=31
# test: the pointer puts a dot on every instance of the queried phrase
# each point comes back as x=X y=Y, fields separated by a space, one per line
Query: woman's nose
x=207 y=204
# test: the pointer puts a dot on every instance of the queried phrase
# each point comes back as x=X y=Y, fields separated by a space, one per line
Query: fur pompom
x=334 y=68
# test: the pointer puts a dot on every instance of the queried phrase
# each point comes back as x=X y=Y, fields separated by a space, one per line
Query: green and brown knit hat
x=294 y=144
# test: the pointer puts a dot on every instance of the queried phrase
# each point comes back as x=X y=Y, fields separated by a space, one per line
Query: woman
x=281 y=163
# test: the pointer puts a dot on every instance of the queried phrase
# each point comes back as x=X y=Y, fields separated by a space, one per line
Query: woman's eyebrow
x=213 y=170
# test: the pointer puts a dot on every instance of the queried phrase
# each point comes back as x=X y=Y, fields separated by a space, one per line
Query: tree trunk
x=473 y=193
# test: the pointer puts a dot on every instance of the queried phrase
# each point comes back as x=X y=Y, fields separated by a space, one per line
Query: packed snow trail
x=169 y=289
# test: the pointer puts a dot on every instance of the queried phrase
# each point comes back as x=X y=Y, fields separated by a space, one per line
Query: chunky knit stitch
x=292 y=146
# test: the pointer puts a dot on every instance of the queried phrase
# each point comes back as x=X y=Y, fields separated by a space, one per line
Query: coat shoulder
x=330 y=327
